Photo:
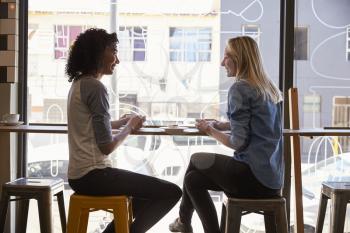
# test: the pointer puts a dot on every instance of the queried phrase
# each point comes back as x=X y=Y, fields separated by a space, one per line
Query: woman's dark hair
x=86 y=54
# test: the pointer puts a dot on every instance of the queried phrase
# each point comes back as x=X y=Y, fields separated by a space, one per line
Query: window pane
x=139 y=55
x=321 y=74
x=169 y=70
x=204 y=56
x=132 y=43
x=251 y=30
x=138 y=32
x=139 y=44
x=204 y=46
x=191 y=42
x=300 y=43
x=175 y=56
x=175 y=44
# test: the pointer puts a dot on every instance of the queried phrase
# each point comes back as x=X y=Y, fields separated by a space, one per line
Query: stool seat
x=81 y=205
x=40 y=189
x=34 y=183
x=273 y=209
x=339 y=193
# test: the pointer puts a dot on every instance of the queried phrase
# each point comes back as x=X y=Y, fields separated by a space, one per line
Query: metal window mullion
x=347 y=46
x=132 y=42
x=183 y=45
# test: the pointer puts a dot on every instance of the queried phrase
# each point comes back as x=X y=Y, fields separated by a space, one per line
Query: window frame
x=255 y=36
x=130 y=51
x=286 y=66
x=181 y=40
x=347 y=44
x=67 y=39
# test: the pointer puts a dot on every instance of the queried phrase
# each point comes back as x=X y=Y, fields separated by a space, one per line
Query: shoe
x=178 y=226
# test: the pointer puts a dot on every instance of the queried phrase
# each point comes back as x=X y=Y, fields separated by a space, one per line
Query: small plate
x=173 y=130
x=191 y=130
x=11 y=123
x=151 y=130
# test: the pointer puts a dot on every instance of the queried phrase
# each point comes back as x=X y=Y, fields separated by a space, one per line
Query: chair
x=81 y=205
x=40 y=189
x=273 y=209
x=339 y=193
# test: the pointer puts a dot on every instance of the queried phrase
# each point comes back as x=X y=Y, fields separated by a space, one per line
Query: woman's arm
x=239 y=113
x=221 y=125
x=122 y=121
x=119 y=123
x=210 y=129
x=221 y=137
x=116 y=141
x=134 y=123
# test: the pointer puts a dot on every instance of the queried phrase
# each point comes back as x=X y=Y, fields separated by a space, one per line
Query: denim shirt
x=256 y=133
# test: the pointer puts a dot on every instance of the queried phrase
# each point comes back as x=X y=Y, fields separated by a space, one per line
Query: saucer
x=191 y=130
x=11 y=123
x=173 y=130
x=151 y=130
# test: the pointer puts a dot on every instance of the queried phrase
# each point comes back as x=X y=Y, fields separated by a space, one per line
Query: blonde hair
x=246 y=56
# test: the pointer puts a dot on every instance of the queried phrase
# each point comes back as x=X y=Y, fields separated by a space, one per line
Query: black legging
x=152 y=198
x=216 y=172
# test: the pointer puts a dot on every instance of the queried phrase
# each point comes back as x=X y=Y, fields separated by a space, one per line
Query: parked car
x=52 y=160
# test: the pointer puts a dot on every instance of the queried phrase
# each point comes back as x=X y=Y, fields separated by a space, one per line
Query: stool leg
x=223 y=218
x=281 y=219
x=84 y=220
x=270 y=222
x=45 y=212
x=60 y=201
x=73 y=217
x=321 y=213
x=22 y=216
x=121 y=218
x=338 y=213
x=131 y=217
x=233 y=219
x=3 y=209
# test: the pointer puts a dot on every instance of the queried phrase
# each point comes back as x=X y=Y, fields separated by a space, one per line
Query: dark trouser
x=152 y=198
x=216 y=172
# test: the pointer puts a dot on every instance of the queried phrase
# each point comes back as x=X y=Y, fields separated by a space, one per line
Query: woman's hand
x=126 y=117
x=204 y=125
x=135 y=122
x=122 y=121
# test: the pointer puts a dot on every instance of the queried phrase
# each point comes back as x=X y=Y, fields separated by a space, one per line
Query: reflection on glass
x=169 y=71
x=321 y=73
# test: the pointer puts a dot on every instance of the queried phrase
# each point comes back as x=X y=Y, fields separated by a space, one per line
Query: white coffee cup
x=11 y=117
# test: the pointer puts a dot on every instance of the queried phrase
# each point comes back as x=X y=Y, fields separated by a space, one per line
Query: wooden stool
x=80 y=206
x=339 y=193
x=273 y=209
x=40 y=189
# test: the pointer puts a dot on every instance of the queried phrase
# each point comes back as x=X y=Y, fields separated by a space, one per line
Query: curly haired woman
x=90 y=138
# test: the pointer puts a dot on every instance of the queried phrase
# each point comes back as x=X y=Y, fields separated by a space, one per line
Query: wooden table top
x=62 y=129
x=156 y=130
x=316 y=132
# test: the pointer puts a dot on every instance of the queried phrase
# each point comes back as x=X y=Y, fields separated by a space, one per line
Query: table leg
x=296 y=158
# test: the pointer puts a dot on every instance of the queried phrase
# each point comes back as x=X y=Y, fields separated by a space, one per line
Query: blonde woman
x=257 y=167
